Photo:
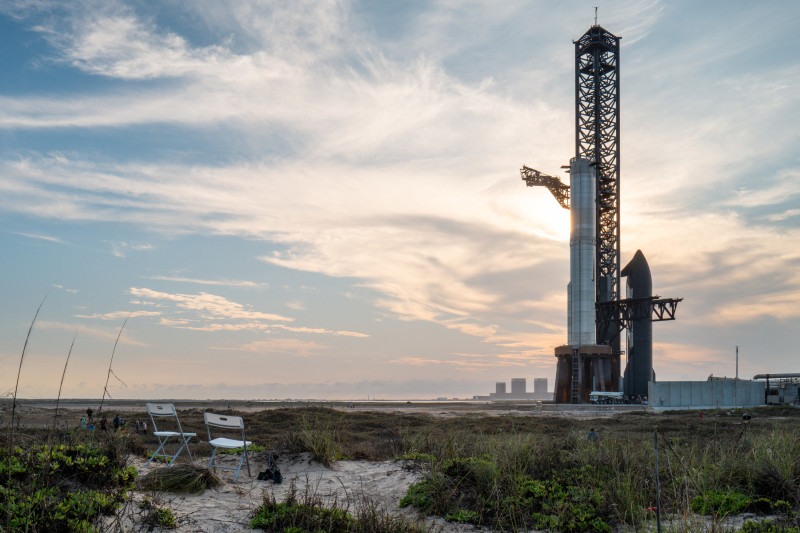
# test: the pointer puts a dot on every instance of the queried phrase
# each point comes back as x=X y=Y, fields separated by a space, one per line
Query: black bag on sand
x=272 y=471
x=274 y=475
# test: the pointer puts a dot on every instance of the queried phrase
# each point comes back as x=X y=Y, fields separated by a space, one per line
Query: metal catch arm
x=558 y=188
x=620 y=313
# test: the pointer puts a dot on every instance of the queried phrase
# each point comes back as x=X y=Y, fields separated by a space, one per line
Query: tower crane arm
x=558 y=188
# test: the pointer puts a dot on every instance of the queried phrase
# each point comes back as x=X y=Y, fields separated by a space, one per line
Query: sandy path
x=228 y=508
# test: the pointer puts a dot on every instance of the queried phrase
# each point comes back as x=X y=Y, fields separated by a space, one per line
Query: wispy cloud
x=465 y=365
x=282 y=346
x=398 y=158
x=61 y=287
x=99 y=333
x=121 y=249
x=218 y=282
x=39 y=237
x=212 y=313
x=789 y=213
x=782 y=188
x=117 y=315
x=215 y=306
x=250 y=326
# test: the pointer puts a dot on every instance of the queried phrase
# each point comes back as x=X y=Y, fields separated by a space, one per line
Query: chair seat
x=222 y=442
x=172 y=434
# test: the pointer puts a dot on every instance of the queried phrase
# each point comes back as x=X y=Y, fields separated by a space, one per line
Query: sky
x=321 y=199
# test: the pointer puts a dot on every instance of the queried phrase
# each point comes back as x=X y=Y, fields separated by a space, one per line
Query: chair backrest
x=163 y=410
x=223 y=421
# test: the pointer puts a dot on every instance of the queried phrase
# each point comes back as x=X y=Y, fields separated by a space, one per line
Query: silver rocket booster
x=581 y=297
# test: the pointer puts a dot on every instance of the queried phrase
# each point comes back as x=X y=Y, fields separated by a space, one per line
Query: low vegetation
x=300 y=513
x=180 y=478
x=65 y=486
x=511 y=473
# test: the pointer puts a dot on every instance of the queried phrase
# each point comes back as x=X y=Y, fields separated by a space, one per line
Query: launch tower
x=596 y=314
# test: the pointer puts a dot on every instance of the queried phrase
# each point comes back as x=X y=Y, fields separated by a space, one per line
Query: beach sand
x=229 y=507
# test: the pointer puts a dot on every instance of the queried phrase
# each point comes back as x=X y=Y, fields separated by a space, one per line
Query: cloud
x=81 y=329
x=215 y=306
x=117 y=315
x=777 y=217
x=781 y=189
x=415 y=361
x=120 y=249
x=282 y=346
x=781 y=306
x=632 y=20
x=397 y=160
x=415 y=245
x=249 y=326
x=61 y=287
x=39 y=237
x=467 y=365
x=220 y=282
x=211 y=308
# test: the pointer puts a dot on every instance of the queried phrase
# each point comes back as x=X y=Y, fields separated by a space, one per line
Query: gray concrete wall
x=706 y=394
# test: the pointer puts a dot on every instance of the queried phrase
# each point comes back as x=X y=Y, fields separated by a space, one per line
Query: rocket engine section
x=581 y=292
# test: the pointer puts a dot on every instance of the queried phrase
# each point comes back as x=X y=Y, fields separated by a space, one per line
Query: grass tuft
x=188 y=478
x=306 y=512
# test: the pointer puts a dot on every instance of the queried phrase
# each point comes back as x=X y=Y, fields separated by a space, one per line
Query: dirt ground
x=37 y=413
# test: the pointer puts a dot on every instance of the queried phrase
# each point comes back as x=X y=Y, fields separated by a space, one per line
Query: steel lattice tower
x=596 y=311
x=597 y=139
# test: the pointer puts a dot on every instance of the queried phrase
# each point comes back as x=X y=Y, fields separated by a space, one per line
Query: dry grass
x=484 y=469
x=186 y=478
x=376 y=435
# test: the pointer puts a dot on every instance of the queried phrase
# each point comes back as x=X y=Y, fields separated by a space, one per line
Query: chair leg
x=188 y=450
x=185 y=444
x=155 y=453
x=237 y=470
x=175 y=457
x=210 y=461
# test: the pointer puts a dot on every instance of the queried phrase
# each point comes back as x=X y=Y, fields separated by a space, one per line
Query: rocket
x=581 y=291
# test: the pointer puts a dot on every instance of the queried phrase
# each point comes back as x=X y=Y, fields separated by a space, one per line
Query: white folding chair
x=229 y=423
x=166 y=411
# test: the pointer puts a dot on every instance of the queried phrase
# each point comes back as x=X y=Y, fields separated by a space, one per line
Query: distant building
x=781 y=389
x=519 y=391
x=715 y=393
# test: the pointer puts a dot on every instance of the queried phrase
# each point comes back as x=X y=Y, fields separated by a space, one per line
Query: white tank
x=582 y=253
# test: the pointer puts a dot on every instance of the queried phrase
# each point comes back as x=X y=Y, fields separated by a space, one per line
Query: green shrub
x=419 y=495
x=156 y=516
x=250 y=449
x=306 y=514
x=767 y=526
x=464 y=516
x=163 y=517
x=419 y=457
x=61 y=488
x=290 y=514
x=716 y=502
